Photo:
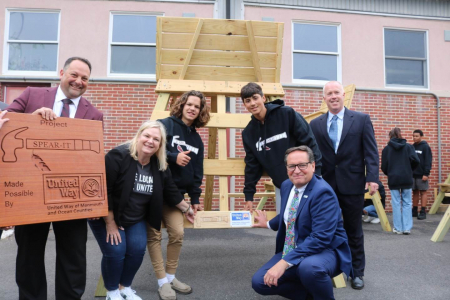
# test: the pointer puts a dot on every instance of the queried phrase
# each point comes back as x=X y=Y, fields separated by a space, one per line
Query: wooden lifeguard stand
x=217 y=57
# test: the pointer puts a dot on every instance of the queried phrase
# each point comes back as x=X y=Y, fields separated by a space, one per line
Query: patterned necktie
x=289 y=242
x=66 y=109
x=333 y=132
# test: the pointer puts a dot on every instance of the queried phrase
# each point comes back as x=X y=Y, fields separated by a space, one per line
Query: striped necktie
x=66 y=108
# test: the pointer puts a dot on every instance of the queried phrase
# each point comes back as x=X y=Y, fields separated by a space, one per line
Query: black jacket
x=265 y=144
x=423 y=151
x=398 y=159
x=120 y=173
x=181 y=137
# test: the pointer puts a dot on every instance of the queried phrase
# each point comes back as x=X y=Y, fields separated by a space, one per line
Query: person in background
x=185 y=157
x=138 y=183
x=398 y=159
x=369 y=211
x=421 y=175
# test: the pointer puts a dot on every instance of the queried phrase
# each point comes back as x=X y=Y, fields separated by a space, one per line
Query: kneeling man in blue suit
x=311 y=244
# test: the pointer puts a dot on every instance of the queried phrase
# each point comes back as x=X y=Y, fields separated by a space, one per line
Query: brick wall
x=126 y=106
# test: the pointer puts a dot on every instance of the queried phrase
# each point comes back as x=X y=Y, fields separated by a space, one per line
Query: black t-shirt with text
x=140 y=197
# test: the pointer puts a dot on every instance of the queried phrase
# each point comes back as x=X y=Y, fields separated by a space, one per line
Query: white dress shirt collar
x=340 y=115
x=61 y=96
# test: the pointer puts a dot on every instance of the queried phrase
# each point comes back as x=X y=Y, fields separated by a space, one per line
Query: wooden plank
x=237 y=195
x=100 y=291
x=338 y=281
x=217 y=42
x=442 y=228
x=439 y=198
x=220 y=219
x=376 y=199
x=217 y=120
x=230 y=167
x=228 y=88
x=280 y=28
x=158 y=46
x=223 y=142
x=218 y=58
x=191 y=49
x=217 y=26
x=252 y=44
x=212 y=138
x=217 y=73
x=161 y=102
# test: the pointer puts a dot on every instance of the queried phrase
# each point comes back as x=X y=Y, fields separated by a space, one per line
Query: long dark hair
x=203 y=117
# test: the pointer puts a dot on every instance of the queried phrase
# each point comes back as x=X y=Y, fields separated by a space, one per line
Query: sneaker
x=414 y=211
x=166 y=292
x=396 y=231
x=113 y=295
x=180 y=287
x=406 y=232
x=375 y=221
x=128 y=294
x=368 y=219
x=422 y=215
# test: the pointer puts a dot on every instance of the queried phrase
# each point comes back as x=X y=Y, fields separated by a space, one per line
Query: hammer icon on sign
x=10 y=143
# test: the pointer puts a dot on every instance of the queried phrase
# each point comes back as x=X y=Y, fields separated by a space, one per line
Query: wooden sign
x=51 y=170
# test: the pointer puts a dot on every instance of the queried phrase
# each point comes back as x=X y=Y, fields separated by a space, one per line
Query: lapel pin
x=305 y=196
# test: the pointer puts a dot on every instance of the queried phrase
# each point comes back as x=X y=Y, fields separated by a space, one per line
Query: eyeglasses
x=302 y=166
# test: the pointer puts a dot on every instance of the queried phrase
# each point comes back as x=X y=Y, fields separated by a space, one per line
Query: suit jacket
x=318 y=225
x=34 y=98
x=120 y=172
x=356 y=161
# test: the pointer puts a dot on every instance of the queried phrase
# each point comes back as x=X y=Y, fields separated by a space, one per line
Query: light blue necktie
x=333 y=132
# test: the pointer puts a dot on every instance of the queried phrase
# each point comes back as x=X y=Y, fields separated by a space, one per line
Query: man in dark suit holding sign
x=70 y=236
x=350 y=164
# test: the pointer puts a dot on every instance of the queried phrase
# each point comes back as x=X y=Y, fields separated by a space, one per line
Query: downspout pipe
x=394 y=91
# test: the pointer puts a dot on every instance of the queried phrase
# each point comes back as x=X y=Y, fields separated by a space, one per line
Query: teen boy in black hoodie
x=185 y=157
x=273 y=129
x=421 y=174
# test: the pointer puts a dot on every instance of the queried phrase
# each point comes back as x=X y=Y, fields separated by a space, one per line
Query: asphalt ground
x=219 y=264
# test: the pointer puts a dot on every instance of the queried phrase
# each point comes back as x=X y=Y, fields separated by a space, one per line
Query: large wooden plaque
x=51 y=170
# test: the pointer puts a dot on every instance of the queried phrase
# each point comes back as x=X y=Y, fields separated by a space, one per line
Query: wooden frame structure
x=444 y=224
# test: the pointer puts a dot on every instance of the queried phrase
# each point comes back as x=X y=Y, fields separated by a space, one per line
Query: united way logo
x=91 y=187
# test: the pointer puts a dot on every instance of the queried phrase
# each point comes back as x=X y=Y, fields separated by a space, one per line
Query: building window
x=405 y=54
x=316 y=52
x=132 y=45
x=32 y=39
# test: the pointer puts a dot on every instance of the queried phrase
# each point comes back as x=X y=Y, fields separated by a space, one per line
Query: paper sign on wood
x=51 y=170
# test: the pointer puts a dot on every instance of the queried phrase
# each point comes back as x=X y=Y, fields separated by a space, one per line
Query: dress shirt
x=58 y=106
x=289 y=202
x=340 y=123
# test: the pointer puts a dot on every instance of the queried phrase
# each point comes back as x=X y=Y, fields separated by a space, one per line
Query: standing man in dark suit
x=350 y=164
x=311 y=244
x=70 y=236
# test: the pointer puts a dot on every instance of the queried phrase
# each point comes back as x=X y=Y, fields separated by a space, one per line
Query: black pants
x=70 y=278
x=352 y=206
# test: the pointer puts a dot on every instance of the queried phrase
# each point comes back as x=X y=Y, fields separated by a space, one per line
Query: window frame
x=426 y=79
x=338 y=54
x=111 y=43
x=6 y=43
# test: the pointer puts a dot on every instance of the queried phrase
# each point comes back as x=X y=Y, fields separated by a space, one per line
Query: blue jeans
x=371 y=211
x=120 y=263
x=402 y=209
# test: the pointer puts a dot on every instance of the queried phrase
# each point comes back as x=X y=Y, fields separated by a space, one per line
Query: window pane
x=133 y=59
x=134 y=29
x=33 y=26
x=405 y=72
x=405 y=43
x=32 y=57
x=310 y=37
x=315 y=66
